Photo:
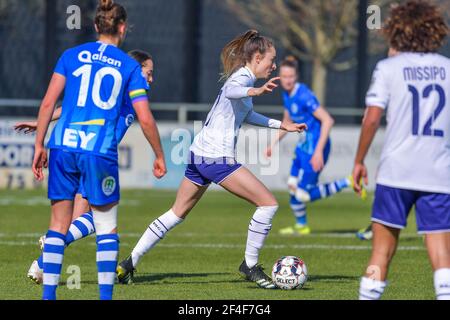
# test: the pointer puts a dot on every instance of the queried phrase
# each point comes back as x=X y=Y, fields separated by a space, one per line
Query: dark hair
x=416 y=26
x=140 y=56
x=109 y=16
x=291 y=62
x=240 y=50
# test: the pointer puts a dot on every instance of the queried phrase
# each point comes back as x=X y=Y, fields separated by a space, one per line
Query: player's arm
x=327 y=122
x=55 y=88
x=239 y=89
x=280 y=134
x=30 y=126
x=260 y=120
x=370 y=125
x=151 y=133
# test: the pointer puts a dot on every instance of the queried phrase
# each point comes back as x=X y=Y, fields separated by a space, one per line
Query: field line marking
x=238 y=246
x=324 y=235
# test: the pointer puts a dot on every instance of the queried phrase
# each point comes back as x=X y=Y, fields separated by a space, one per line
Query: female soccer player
x=95 y=76
x=414 y=87
x=82 y=224
x=312 y=151
x=248 y=57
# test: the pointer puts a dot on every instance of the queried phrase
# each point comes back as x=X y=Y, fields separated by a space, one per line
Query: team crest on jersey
x=294 y=108
x=129 y=120
x=109 y=185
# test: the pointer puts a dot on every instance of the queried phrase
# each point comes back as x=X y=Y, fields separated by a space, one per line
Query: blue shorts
x=96 y=178
x=392 y=206
x=302 y=170
x=202 y=171
x=81 y=191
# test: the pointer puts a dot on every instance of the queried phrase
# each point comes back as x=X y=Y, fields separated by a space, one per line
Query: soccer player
x=312 y=151
x=366 y=233
x=82 y=224
x=245 y=59
x=83 y=146
x=414 y=89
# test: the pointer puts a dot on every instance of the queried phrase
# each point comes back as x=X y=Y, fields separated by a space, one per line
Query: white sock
x=154 y=233
x=442 y=284
x=371 y=289
x=258 y=230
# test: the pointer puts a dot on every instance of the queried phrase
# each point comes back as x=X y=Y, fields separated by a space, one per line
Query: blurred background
x=331 y=38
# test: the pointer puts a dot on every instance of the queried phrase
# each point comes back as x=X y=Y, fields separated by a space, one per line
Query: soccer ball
x=289 y=273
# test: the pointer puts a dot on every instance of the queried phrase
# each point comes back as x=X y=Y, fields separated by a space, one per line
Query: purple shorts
x=202 y=171
x=392 y=206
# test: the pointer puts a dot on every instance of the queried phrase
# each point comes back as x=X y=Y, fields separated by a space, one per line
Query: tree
x=314 y=31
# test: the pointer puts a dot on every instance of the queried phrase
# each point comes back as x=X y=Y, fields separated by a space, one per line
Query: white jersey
x=218 y=137
x=415 y=90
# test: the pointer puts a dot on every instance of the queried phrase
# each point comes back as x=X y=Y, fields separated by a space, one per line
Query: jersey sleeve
x=260 y=120
x=137 y=86
x=378 y=94
x=61 y=66
x=310 y=101
x=238 y=87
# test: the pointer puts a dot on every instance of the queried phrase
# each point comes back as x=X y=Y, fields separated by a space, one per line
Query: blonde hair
x=240 y=50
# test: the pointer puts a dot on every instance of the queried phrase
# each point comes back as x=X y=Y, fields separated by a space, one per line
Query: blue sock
x=322 y=191
x=53 y=255
x=299 y=210
x=107 y=254
x=80 y=228
x=40 y=261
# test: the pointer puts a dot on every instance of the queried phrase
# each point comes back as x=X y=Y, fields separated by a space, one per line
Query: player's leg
x=438 y=246
x=63 y=184
x=308 y=189
x=384 y=245
x=298 y=208
x=389 y=215
x=105 y=221
x=100 y=180
x=433 y=220
x=245 y=185
x=187 y=197
x=82 y=226
x=189 y=193
x=83 y=221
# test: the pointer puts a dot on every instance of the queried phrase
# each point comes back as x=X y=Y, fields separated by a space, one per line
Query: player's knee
x=105 y=221
x=302 y=195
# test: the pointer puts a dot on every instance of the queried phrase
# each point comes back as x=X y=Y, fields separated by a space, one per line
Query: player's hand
x=159 y=168
x=27 y=127
x=268 y=87
x=39 y=162
x=359 y=173
x=317 y=161
x=294 y=127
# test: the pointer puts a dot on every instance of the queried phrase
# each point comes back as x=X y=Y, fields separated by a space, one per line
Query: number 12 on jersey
x=427 y=130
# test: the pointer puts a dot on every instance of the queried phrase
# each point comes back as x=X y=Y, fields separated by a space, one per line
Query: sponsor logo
x=77 y=139
x=108 y=185
x=87 y=57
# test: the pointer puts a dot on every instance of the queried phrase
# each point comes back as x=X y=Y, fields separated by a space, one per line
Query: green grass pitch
x=199 y=259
